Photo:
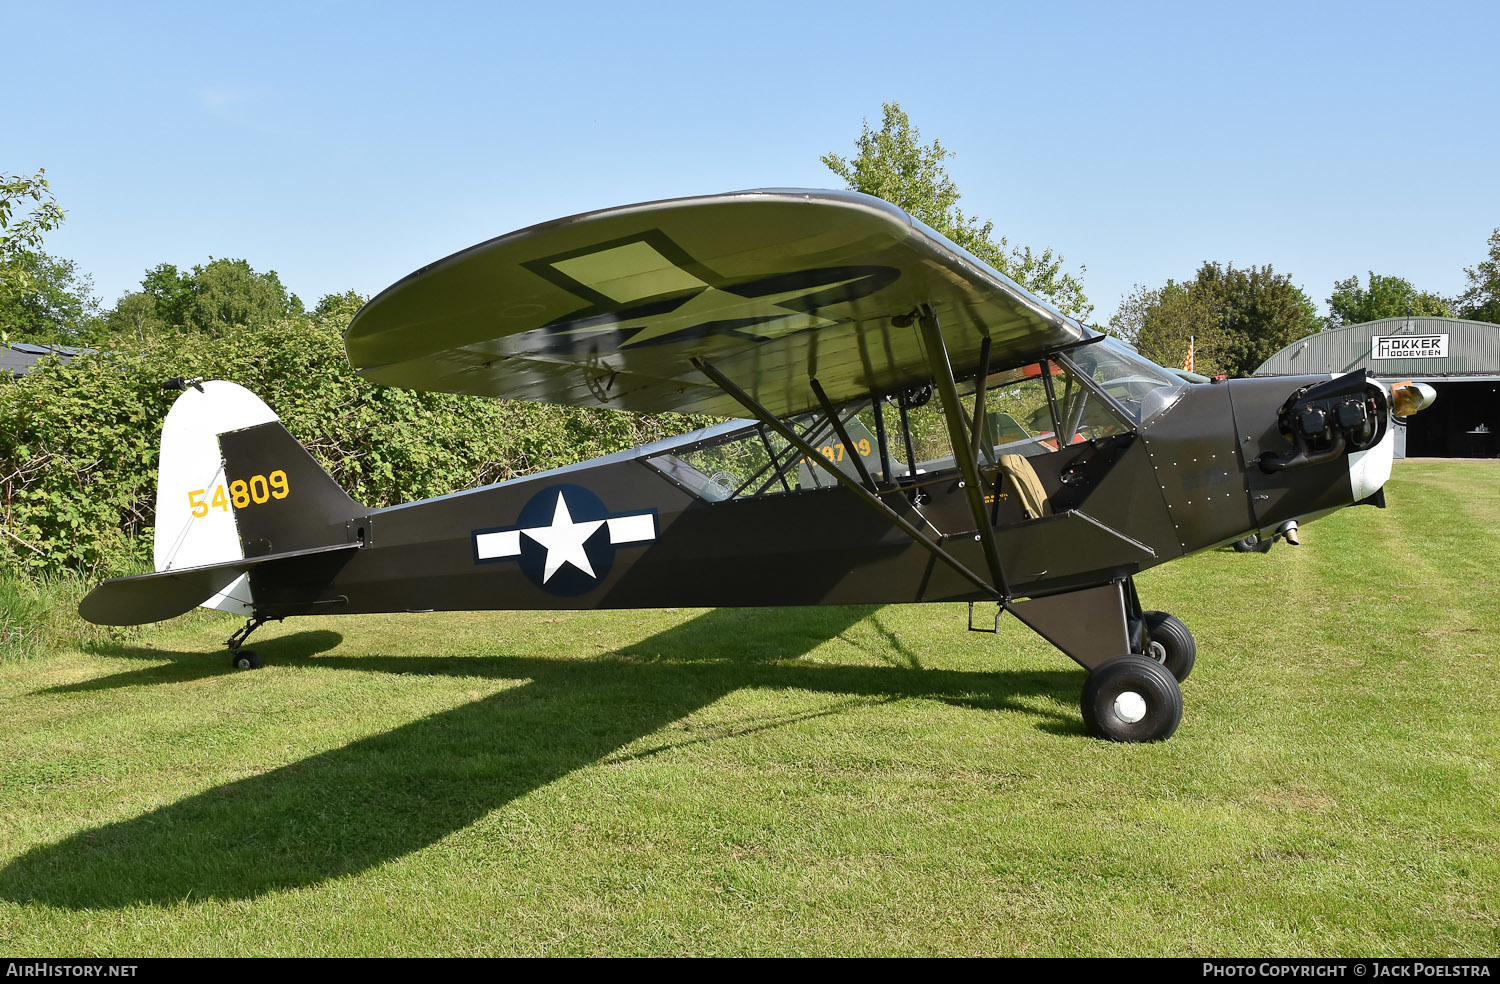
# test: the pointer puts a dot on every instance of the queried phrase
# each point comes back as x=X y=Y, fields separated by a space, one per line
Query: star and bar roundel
x=565 y=539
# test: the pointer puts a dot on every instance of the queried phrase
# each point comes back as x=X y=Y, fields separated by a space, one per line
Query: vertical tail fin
x=233 y=483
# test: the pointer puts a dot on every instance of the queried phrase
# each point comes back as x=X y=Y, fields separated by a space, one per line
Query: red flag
x=1188 y=365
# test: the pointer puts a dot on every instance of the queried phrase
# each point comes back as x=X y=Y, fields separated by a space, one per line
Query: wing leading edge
x=608 y=308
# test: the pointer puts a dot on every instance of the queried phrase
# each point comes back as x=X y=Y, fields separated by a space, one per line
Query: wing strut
x=885 y=451
x=838 y=426
x=963 y=450
x=981 y=387
x=865 y=495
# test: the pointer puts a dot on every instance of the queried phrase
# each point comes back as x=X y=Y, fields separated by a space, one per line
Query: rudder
x=233 y=483
x=283 y=500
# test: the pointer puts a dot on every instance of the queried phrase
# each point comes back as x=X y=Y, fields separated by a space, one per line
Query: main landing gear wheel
x=246 y=659
x=1170 y=643
x=1131 y=698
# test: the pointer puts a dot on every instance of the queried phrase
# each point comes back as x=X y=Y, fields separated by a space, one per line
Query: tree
x=209 y=299
x=1239 y=317
x=54 y=305
x=1160 y=323
x=1480 y=301
x=893 y=164
x=135 y=315
x=228 y=292
x=1386 y=297
x=339 y=308
x=21 y=238
x=21 y=232
x=1260 y=312
x=171 y=293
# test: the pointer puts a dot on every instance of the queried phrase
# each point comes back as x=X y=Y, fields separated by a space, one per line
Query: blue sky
x=345 y=144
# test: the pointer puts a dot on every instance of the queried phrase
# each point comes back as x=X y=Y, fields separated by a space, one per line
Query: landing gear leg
x=1159 y=636
x=245 y=659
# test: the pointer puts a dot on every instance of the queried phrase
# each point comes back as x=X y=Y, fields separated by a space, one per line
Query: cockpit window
x=1040 y=408
x=1018 y=411
x=1030 y=410
x=757 y=461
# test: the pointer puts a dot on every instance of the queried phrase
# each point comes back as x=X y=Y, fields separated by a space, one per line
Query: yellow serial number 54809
x=257 y=490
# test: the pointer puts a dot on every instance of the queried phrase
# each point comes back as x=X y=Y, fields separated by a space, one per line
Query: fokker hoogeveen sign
x=1409 y=347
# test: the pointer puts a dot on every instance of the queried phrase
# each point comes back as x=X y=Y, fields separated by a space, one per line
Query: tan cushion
x=1028 y=487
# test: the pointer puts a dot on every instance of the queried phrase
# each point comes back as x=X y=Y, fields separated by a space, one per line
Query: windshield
x=1139 y=385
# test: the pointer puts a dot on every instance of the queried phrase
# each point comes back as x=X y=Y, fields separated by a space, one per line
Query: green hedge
x=79 y=442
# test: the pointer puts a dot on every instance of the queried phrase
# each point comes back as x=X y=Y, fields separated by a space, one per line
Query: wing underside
x=610 y=308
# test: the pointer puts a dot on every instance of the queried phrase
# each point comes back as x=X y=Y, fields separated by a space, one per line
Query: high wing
x=611 y=308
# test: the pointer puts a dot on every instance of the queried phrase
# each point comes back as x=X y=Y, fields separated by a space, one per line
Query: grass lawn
x=793 y=781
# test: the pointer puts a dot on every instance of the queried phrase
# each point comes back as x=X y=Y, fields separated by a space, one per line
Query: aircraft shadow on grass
x=382 y=797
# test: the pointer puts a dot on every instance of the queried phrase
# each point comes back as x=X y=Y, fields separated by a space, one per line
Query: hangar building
x=1460 y=359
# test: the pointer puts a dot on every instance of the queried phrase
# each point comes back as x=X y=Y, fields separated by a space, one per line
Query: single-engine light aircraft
x=919 y=429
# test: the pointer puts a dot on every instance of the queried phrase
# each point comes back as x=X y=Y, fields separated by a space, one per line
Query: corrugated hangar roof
x=1407 y=347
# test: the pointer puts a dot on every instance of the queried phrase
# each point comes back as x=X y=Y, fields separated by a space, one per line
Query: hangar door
x=1464 y=422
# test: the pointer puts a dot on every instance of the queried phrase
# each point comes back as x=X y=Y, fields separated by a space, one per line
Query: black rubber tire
x=1145 y=677
x=1253 y=544
x=246 y=659
x=1178 y=650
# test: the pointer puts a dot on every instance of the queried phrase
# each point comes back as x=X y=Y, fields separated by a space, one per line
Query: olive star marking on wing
x=636 y=272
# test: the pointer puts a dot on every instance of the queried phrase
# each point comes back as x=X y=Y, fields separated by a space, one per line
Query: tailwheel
x=245 y=659
x=1131 y=698
x=1170 y=643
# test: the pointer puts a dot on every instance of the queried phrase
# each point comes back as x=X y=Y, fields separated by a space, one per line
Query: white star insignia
x=564 y=539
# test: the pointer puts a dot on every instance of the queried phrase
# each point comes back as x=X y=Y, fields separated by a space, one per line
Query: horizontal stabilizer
x=167 y=594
